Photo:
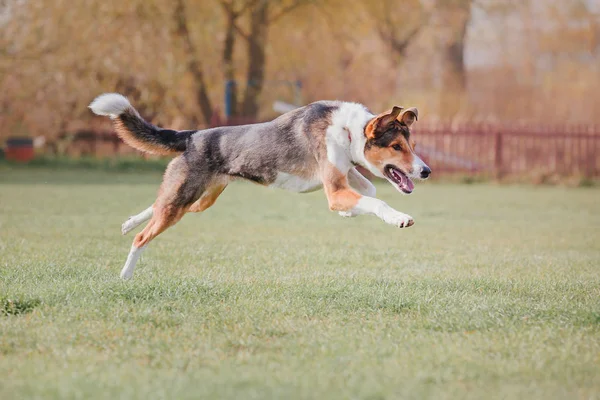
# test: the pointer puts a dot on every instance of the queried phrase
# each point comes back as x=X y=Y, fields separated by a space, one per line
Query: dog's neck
x=357 y=119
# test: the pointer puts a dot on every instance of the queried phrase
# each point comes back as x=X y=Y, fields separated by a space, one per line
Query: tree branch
x=240 y=31
x=227 y=6
x=249 y=4
x=400 y=45
x=286 y=10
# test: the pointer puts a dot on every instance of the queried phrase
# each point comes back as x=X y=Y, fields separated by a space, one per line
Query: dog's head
x=391 y=151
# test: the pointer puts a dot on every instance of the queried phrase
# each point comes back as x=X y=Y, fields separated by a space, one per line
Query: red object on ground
x=19 y=149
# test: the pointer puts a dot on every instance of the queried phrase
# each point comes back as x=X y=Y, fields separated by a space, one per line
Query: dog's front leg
x=362 y=185
x=371 y=205
x=342 y=198
x=349 y=201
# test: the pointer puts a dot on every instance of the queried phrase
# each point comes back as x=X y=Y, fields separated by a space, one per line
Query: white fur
x=110 y=104
x=296 y=184
x=362 y=185
x=132 y=259
x=349 y=119
x=373 y=206
x=136 y=220
x=418 y=166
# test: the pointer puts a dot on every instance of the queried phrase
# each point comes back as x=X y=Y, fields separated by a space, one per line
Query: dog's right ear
x=409 y=116
x=381 y=122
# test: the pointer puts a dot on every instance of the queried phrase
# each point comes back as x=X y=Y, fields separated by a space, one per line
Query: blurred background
x=505 y=88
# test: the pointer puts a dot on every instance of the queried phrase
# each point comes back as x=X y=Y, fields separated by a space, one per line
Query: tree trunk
x=455 y=78
x=228 y=67
x=453 y=18
x=257 y=41
x=194 y=66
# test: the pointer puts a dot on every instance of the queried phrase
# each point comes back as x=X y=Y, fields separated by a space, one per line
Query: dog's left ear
x=380 y=124
x=409 y=116
x=386 y=119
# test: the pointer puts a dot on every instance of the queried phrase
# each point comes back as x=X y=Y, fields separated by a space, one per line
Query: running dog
x=312 y=147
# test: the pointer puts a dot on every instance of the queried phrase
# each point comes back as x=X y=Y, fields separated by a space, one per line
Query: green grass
x=120 y=164
x=494 y=293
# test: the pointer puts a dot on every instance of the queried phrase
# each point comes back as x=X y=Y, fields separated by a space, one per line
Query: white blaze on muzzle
x=418 y=167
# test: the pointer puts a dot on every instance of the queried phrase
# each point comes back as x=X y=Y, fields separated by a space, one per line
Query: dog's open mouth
x=399 y=179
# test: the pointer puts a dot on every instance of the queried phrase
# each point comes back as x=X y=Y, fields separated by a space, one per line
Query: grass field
x=494 y=293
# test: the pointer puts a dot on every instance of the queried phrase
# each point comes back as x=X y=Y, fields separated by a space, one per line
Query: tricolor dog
x=312 y=147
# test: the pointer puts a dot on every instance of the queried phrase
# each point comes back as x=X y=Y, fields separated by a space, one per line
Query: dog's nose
x=425 y=172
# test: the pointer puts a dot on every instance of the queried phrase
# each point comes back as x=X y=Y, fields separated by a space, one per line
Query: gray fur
x=258 y=152
x=289 y=144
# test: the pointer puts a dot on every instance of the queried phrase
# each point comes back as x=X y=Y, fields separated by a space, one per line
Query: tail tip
x=110 y=104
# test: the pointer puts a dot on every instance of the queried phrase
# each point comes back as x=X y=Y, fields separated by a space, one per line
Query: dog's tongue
x=406 y=183
x=403 y=181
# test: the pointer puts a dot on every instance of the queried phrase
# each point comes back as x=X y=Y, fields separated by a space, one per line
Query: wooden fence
x=509 y=151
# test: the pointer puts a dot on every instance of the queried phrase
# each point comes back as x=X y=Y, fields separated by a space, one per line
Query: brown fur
x=128 y=137
x=208 y=198
x=339 y=194
x=168 y=207
x=380 y=121
x=413 y=144
x=164 y=217
x=382 y=156
x=174 y=177
x=409 y=116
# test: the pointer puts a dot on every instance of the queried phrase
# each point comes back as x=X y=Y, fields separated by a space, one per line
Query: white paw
x=127 y=226
x=347 y=214
x=399 y=219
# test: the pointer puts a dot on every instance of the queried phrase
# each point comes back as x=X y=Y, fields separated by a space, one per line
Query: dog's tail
x=135 y=131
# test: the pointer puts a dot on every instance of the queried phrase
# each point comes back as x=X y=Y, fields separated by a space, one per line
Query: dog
x=312 y=147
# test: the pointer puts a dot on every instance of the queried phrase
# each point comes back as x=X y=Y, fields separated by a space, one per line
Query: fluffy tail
x=135 y=131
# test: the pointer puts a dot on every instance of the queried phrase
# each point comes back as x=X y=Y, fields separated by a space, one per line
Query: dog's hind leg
x=209 y=196
x=136 y=220
x=176 y=195
x=163 y=218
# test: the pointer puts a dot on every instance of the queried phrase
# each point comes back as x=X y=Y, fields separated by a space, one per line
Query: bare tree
x=455 y=15
x=262 y=14
x=398 y=23
x=193 y=64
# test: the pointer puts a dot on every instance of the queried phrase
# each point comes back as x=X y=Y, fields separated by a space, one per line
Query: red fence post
x=498 y=156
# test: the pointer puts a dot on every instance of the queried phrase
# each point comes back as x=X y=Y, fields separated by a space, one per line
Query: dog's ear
x=409 y=116
x=380 y=123
x=387 y=119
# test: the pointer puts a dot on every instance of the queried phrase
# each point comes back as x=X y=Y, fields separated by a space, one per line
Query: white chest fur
x=345 y=138
x=295 y=183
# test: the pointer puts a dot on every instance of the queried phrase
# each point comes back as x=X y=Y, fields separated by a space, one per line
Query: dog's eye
x=397 y=147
